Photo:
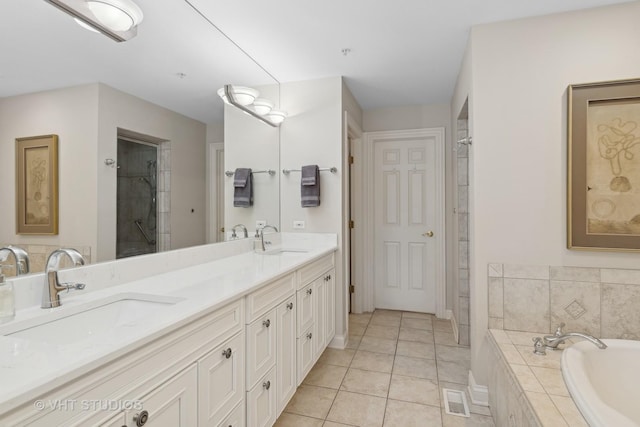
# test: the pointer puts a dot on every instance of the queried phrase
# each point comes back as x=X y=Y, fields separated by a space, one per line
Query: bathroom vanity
x=220 y=343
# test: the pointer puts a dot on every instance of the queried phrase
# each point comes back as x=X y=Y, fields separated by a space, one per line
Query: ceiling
x=402 y=52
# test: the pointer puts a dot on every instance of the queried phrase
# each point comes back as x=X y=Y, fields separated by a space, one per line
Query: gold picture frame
x=37 y=185
x=603 y=173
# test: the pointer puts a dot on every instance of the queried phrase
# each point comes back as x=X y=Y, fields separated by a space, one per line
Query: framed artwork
x=37 y=185
x=603 y=193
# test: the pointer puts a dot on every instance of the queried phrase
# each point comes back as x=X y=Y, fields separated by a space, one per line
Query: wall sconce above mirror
x=246 y=99
x=116 y=19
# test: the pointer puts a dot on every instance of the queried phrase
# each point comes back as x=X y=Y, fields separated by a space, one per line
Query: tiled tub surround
x=526 y=389
x=603 y=302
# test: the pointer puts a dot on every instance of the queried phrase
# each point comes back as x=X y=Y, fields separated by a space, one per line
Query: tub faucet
x=241 y=227
x=262 y=242
x=21 y=257
x=52 y=287
x=559 y=337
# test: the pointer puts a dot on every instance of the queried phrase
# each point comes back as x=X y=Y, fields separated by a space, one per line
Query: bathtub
x=605 y=384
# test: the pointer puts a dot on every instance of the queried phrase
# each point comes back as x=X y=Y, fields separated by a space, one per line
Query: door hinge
x=350 y=160
x=352 y=289
x=351 y=224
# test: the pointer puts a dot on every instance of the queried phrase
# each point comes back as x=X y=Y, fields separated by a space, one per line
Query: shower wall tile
x=463 y=199
x=625 y=277
x=577 y=304
x=463 y=254
x=464 y=310
x=526 y=271
x=496 y=297
x=495 y=270
x=463 y=226
x=575 y=274
x=621 y=311
x=526 y=305
x=463 y=174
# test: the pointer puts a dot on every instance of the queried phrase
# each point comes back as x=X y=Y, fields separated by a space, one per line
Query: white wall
x=188 y=166
x=312 y=134
x=520 y=73
x=72 y=114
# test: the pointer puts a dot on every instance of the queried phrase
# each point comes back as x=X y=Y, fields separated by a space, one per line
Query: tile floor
x=391 y=375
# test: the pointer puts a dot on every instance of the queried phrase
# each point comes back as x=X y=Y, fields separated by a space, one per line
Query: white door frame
x=365 y=298
x=214 y=197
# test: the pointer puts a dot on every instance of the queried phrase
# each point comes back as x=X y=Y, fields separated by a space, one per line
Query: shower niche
x=137 y=195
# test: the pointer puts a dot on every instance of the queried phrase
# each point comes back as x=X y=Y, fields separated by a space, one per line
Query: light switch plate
x=298 y=224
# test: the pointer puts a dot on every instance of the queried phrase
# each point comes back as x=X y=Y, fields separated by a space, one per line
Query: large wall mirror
x=134 y=121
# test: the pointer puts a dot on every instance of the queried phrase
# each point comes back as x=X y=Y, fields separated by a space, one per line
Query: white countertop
x=29 y=369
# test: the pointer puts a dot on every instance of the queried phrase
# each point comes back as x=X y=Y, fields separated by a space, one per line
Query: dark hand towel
x=310 y=186
x=243 y=188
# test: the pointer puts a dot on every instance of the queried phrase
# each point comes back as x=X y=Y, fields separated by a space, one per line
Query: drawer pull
x=290 y=306
x=266 y=323
x=266 y=385
x=309 y=291
x=309 y=335
x=141 y=418
x=227 y=353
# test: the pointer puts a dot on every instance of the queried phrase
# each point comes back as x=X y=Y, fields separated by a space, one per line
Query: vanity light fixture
x=246 y=99
x=117 y=19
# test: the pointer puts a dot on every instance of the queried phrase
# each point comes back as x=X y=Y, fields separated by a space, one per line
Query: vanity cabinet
x=316 y=312
x=286 y=353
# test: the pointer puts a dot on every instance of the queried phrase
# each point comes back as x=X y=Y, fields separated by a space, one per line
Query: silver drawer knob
x=309 y=291
x=266 y=323
x=227 y=353
x=290 y=306
x=309 y=335
x=266 y=385
x=141 y=418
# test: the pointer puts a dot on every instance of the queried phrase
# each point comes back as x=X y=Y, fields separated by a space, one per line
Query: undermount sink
x=73 y=324
x=284 y=251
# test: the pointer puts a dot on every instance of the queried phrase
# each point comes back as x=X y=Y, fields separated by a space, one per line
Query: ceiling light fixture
x=117 y=19
x=244 y=97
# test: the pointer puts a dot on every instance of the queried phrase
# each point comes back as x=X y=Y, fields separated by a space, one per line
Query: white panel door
x=405 y=221
x=286 y=353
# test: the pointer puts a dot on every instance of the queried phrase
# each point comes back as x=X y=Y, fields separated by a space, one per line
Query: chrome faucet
x=262 y=242
x=21 y=257
x=52 y=287
x=242 y=227
x=559 y=337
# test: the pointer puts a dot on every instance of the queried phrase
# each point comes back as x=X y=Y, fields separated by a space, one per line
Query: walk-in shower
x=137 y=198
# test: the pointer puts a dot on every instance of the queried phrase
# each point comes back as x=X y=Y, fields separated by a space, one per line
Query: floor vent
x=455 y=402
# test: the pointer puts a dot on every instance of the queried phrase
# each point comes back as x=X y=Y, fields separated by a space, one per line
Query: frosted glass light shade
x=222 y=95
x=244 y=95
x=277 y=116
x=262 y=106
x=117 y=15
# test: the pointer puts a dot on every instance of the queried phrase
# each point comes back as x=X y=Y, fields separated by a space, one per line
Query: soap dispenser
x=7 y=305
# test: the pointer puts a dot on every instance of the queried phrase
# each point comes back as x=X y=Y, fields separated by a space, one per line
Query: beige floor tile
x=370 y=361
x=414 y=315
x=415 y=367
x=474 y=421
x=417 y=390
x=293 y=420
x=442 y=325
x=453 y=354
x=357 y=409
x=475 y=409
x=353 y=342
x=357 y=329
x=389 y=313
x=444 y=338
x=416 y=349
x=378 y=345
x=405 y=414
x=332 y=424
x=366 y=382
x=453 y=372
x=311 y=401
x=410 y=322
x=385 y=320
x=361 y=319
x=329 y=376
x=334 y=356
x=417 y=335
x=387 y=332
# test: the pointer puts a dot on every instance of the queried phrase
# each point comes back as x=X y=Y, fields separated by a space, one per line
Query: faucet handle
x=69 y=286
x=538 y=346
x=559 y=332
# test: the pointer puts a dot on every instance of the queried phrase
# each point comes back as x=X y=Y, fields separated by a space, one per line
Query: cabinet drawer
x=221 y=382
x=310 y=272
x=261 y=402
x=261 y=347
x=236 y=418
x=306 y=307
x=286 y=354
x=306 y=353
x=268 y=296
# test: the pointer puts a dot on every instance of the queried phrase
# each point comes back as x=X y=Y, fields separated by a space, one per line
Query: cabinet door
x=320 y=302
x=221 y=384
x=236 y=418
x=330 y=307
x=115 y=421
x=306 y=308
x=305 y=354
x=261 y=402
x=286 y=353
x=261 y=347
x=173 y=403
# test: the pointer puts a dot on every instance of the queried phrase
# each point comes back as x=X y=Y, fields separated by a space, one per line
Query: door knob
x=428 y=234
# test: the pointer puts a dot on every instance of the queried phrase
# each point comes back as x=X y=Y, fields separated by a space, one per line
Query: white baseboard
x=454 y=325
x=339 y=341
x=479 y=393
